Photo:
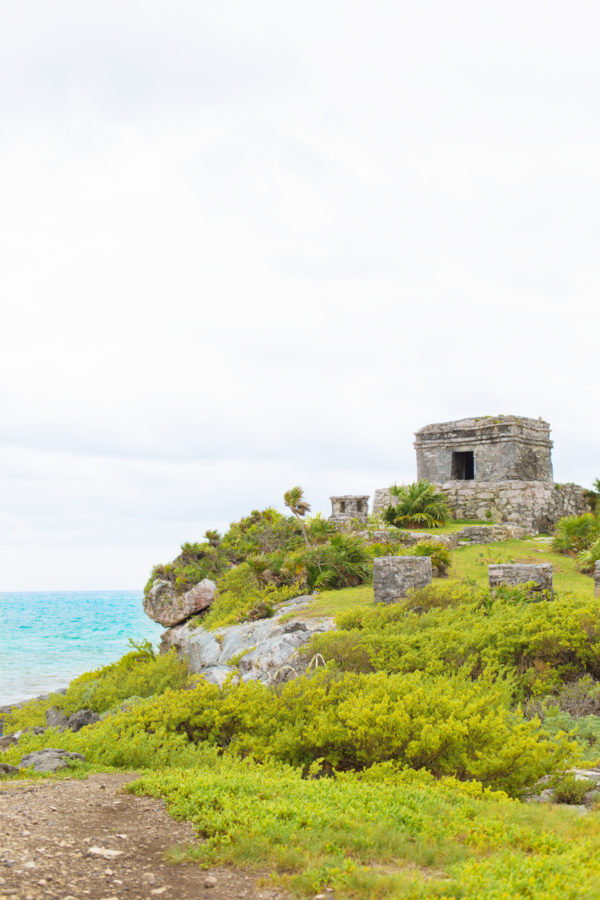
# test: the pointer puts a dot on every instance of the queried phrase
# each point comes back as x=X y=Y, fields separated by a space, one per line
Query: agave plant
x=418 y=505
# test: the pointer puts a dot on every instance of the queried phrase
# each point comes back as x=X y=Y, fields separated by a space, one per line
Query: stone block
x=394 y=576
x=521 y=573
x=597 y=579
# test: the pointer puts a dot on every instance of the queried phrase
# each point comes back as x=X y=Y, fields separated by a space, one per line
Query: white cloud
x=246 y=247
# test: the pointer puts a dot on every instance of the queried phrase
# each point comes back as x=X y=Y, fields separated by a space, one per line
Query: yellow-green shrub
x=540 y=643
x=447 y=725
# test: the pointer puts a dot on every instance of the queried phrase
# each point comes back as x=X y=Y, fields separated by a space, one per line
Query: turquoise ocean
x=48 y=638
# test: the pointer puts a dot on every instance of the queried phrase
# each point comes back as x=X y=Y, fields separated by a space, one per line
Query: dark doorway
x=463 y=465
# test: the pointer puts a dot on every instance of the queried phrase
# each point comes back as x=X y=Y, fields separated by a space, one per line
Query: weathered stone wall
x=489 y=534
x=394 y=576
x=504 y=448
x=597 y=579
x=520 y=573
x=534 y=505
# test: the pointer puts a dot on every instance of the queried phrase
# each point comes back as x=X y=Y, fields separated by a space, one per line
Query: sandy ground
x=85 y=840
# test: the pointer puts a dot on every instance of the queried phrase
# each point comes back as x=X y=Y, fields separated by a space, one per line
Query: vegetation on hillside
x=389 y=772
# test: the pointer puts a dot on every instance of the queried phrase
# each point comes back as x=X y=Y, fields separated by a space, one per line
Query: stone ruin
x=497 y=469
x=512 y=574
x=349 y=507
x=394 y=576
x=505 y=448
x=597 y=579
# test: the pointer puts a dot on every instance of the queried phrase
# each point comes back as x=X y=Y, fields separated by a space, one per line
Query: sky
x=252 y=245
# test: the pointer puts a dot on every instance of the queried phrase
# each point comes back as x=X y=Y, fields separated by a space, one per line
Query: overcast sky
x=252 y=245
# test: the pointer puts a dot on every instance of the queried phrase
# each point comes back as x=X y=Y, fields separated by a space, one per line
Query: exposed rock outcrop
x=254 y=651
x=165 y=606
x=49 y=760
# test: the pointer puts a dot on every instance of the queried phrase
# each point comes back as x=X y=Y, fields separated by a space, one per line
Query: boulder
x=81 y=718
x=55 y=717
x=49 y=760
x=168 y=608
x=6 y=769
x=252 y=651
x=7 y=740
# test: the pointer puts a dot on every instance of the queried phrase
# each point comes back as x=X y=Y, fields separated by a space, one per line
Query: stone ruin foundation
x=394 y=576
x=597 y=579
x=520 y=573
x=349 y=507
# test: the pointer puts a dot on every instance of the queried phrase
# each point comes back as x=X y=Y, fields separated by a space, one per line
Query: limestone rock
x=6 y=769
x=55 y=717
x=394 y=576
x=49 y=760
x=7 y=740
x=163 y=605
x=81 y=718
x=253 y=651
x=597 y=579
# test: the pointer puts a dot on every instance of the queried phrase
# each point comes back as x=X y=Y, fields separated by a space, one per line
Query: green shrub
x=447 y=725
x=241 y=598
x=439 y=554
x=576 y=533
x=587 y=559
x=570 y=789
x=541 y=644
x=418 y=506
x=343 y=562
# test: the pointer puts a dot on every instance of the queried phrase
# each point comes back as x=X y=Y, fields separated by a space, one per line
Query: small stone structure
x=520 y=573
x=394 y=576
x=501 y=448
x=597 y=579
x=348 y=507
x=494 y=468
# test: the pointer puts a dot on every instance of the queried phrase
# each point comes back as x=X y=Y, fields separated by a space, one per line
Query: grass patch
x=470 y=563
x=381 y=834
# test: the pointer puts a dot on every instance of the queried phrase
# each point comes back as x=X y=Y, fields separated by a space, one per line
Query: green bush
x=570 y=789
x=240 y=597
x=576 y=533
x=587 y=559
x=447 y=725
x=343 y=562
x=541 y=644
x=439 y=554
x=418 y=506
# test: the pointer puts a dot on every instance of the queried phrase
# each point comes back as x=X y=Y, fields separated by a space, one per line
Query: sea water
x=48 y=638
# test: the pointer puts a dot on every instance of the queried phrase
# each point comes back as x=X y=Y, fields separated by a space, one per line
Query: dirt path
x=84 y=840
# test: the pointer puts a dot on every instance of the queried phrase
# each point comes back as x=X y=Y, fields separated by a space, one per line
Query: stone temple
x=505 y=448
x=495 y=468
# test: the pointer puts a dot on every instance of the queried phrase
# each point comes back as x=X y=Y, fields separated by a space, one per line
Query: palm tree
x=293 y=499
x=418 y=505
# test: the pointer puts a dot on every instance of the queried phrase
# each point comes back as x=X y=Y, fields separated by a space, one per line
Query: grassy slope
x=470 y=563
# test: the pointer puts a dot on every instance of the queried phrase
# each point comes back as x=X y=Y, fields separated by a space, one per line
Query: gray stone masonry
x=394 y=576
x=348 y=507
x=488 y=534
x=533 y=505
x=520 y=573
x=597 y=579
x=487 y=448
